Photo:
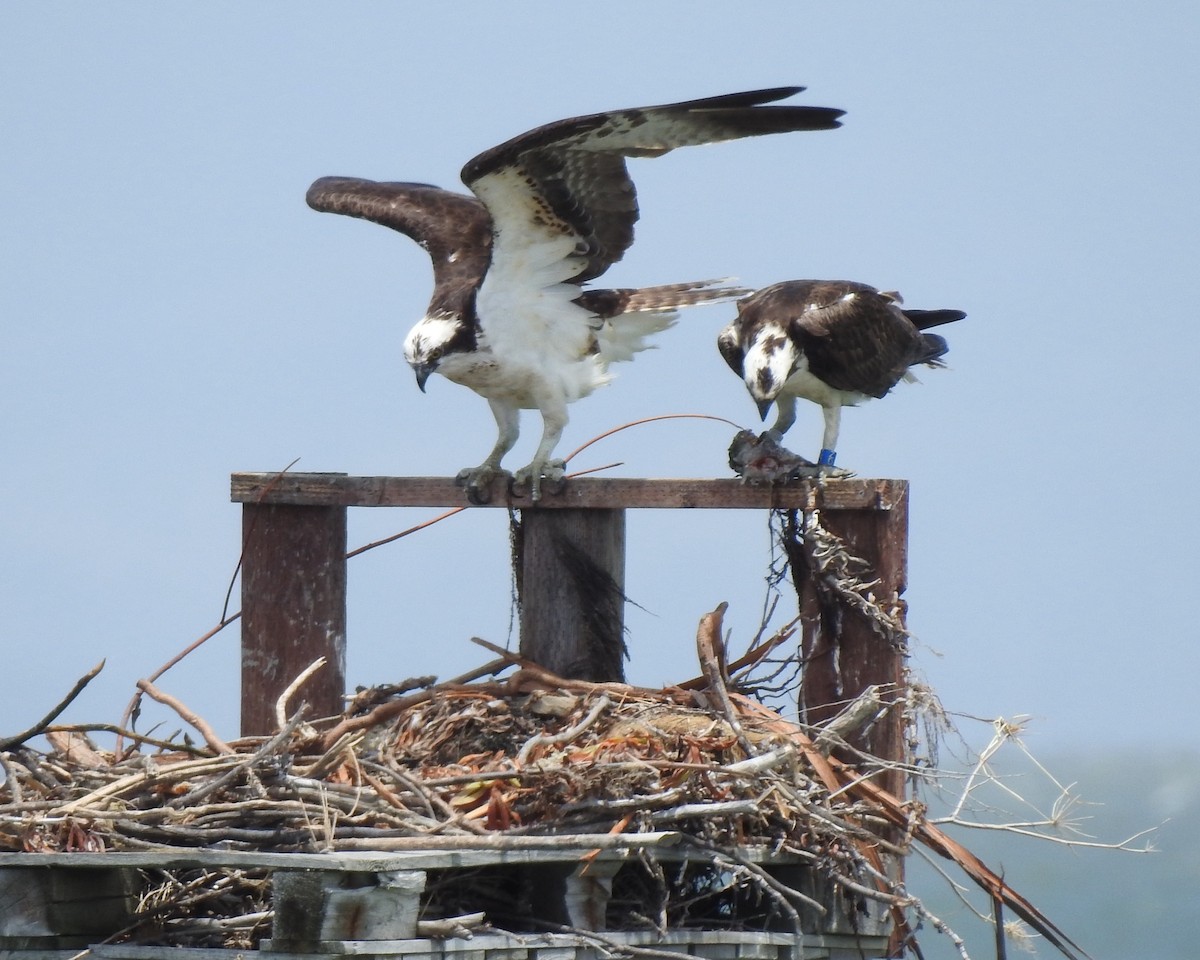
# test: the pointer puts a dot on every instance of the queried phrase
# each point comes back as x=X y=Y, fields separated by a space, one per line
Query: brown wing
x=569 y=178
x=858 y=339
x=453 y=228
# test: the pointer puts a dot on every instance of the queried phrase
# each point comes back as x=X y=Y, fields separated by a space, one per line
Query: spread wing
x=563 y=206
x=453 y=228
x=565 y=185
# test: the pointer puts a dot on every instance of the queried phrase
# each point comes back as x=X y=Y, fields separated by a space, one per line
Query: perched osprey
x=553 y=208
x=834 y=342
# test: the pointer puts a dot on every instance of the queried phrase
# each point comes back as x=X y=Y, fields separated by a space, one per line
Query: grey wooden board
x=712 y=945
x=357 y=861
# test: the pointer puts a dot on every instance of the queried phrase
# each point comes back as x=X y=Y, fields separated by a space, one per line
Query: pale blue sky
x=173 y=312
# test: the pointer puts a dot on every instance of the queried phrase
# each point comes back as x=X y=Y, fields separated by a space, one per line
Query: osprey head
x=430 y=340
x=769 y=361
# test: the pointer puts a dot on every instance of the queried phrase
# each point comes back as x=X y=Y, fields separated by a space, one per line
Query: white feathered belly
x=530 y=381
x=804 y=385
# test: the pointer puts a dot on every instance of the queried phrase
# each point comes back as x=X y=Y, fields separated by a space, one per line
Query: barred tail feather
x=670 y=296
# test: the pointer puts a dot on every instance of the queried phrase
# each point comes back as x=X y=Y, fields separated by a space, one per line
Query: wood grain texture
x=293 y=609
x=605 y=493
x=844 y=658
x=571 y=583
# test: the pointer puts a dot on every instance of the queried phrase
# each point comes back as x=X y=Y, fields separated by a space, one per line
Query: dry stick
x=637 y=423
x=834 y=773
x=499 y=841
x=137 y=697
x=269 y=747
x=462 y=926
x=13 y=782
x=231 y=618
x=709 y=648
x=131 y=734
x=189 y=716
x=179 y=771
x=15 y=741
x=531 y=670
x=403 y=533
x=749 y=659
x=421 y=789
x=776 y=889
x=281 y=704
x=381 y=714
x=565 y=736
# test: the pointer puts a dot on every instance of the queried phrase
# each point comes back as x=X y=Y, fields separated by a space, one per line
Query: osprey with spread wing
x=553 y=209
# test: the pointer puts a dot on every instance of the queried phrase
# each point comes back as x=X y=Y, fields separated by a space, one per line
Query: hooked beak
x=764 y=407
x=423 y=370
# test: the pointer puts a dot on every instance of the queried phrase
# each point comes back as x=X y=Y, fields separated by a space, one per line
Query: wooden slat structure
x=570 y=564
x=331 y=905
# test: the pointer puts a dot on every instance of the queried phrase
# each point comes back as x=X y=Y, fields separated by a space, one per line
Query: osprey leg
x=833 y=420
x=785 y=415
x=554 y=419
x=478 y=480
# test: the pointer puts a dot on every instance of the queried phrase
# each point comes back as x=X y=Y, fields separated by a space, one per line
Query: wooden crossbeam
x=570 y=557
x=601 y=493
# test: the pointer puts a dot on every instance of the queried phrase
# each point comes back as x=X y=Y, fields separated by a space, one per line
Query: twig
x=15 y=741
x=188 y=716
x=131 y=734
x=564 y=736
x=710 y=648
x=281 y=704
x=268 y=748
x=462 y=927
x=404 y=533
x=501 y=841
x=132 y=706
x=637 y=423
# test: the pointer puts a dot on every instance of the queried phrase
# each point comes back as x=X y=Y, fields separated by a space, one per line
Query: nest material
x=469 y=764
x=504 y=762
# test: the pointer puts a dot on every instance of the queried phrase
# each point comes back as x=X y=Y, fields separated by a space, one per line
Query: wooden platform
x=589 y=493
x=369 y=904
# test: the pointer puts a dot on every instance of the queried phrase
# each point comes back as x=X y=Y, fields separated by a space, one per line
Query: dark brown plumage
x=577 y=166
x=553 y=208
x=835 y=343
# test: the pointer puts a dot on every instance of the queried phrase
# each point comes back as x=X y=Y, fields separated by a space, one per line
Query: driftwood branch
x=15 y=741
x=189 y=716
x=281 y=705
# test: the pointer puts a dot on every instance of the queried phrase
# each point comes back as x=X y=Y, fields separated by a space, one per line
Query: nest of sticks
x=505 y=759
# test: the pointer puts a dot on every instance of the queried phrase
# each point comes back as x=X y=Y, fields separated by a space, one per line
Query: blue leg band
x=827 y=457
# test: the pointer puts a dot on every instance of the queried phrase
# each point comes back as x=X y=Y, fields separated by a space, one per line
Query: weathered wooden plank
x=95 y=901
x=501 y=946
x=605 y=493
x=571 y=587
x=841 y=664
x=313 y=906
x=413 y=853
x=293 y=609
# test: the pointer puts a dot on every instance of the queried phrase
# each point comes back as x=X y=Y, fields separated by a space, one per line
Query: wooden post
x=571 y=575
x=844 y=656
x=293 y=609
x=571 y=585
